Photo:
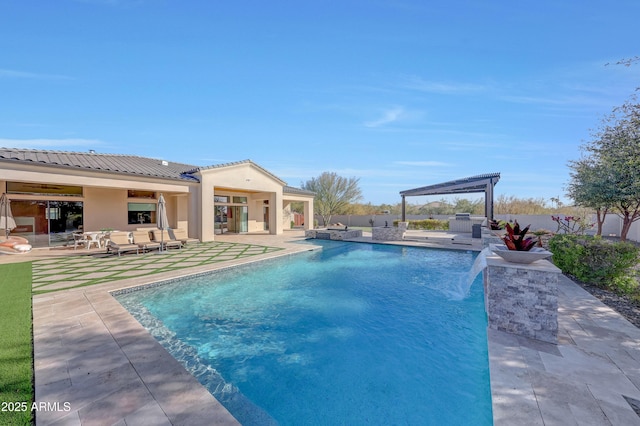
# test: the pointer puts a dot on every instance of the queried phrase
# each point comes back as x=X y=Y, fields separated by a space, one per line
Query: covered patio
x=481 y=183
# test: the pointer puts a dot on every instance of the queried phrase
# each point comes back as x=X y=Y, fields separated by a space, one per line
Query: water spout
x=461 y=285
x=479 y=265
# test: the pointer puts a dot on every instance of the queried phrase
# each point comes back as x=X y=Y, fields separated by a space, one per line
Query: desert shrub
x=595 y=260
x=428 y=224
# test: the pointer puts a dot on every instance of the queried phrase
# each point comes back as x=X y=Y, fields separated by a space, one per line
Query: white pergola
x=480 y=183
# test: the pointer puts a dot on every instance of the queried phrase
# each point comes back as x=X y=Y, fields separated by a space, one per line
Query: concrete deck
x=91 y=353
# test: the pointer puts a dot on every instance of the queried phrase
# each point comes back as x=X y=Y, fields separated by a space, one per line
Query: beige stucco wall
x=244 y=179
x=190 y=205
x=107 y=208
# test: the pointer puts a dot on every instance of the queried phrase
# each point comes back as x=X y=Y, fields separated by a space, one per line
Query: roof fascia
x=246 y=163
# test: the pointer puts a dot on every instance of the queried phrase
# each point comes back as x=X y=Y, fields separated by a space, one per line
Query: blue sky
x=400 y=94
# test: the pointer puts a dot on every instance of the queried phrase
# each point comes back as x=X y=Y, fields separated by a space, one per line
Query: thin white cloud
x=389 y=116
x=49 y=143
x=423 y=163
x=6 y=73
x=451 y=88
x=550 y=100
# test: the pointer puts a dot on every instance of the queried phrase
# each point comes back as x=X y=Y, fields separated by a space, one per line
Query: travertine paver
x=91 y=352
x=583 y=380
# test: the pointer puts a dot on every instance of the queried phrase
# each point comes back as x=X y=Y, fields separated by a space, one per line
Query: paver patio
x=78 y=271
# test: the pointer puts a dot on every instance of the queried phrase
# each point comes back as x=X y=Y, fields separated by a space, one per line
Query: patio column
x=207 y=209
x=308 y=215
x=404 y=213
x=277 y=214
x=488 y=200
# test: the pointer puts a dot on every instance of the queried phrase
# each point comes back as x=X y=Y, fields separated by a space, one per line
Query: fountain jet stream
x=479 y=265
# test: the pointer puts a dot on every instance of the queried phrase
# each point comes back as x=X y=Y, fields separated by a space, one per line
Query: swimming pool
x=351 y=334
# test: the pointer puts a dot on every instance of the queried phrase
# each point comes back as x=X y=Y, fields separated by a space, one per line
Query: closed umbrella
x=162 y=221
x=6 y=218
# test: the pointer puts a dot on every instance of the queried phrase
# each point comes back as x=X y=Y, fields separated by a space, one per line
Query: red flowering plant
x=572 y=224
x=515 y=238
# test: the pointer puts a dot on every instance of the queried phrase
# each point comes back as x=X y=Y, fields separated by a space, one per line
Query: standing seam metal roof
x=114 y=163
x=464 y=185
x=123 y=164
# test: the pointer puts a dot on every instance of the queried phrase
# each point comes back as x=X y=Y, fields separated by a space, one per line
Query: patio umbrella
x=6 y=218
x=162 y=221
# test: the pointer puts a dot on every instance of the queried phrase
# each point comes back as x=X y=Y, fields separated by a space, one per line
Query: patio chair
x=79 y=239
x=141 y=238
x=119 y=243
x=181 y=235
x=164 y=238
x=93 y=238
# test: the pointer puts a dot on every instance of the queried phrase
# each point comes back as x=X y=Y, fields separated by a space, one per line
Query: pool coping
x=89 y=351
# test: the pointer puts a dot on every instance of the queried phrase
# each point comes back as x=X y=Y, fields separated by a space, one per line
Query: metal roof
x=111 y=163
x=459 y=186
x=124 y=164
x=292 y=190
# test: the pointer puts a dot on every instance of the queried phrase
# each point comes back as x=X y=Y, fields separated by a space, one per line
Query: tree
x=462 y=205
x=610 y=175
x=592 y=187
x=333 y=194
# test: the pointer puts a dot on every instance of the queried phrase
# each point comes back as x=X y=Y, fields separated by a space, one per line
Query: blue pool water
x=352 y=334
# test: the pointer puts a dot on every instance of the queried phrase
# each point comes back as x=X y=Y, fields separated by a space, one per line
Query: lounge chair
x=141 y=238
x=181 y=235
x=164 y=238
x=13 y=244
x=119 y=243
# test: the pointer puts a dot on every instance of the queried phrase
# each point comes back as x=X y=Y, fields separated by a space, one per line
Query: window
x=240 y=200
x=220 y=199
x=133 y=193
x=141 y=213
x=43 y=189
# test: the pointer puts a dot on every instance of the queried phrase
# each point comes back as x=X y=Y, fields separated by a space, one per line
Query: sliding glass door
x=240 y=219
x=46 y=223
x=231 y=214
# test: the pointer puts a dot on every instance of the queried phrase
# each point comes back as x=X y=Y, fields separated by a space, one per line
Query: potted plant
x=518 y=248
x=497 y=227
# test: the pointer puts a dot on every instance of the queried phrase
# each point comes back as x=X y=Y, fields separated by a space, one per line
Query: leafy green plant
x=497 y=225
x=540 y=233
x=595 y=260
x=515 y=238
x=428 y=224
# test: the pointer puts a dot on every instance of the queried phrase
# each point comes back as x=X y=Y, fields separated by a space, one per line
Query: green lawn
x=16 y=344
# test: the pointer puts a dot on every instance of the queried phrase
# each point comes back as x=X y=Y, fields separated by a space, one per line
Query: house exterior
x=55 y=193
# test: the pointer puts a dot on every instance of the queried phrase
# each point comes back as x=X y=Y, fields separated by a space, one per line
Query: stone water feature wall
x=522 y=299
x=389 y=233
x=489 y=238
x=333 y=234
